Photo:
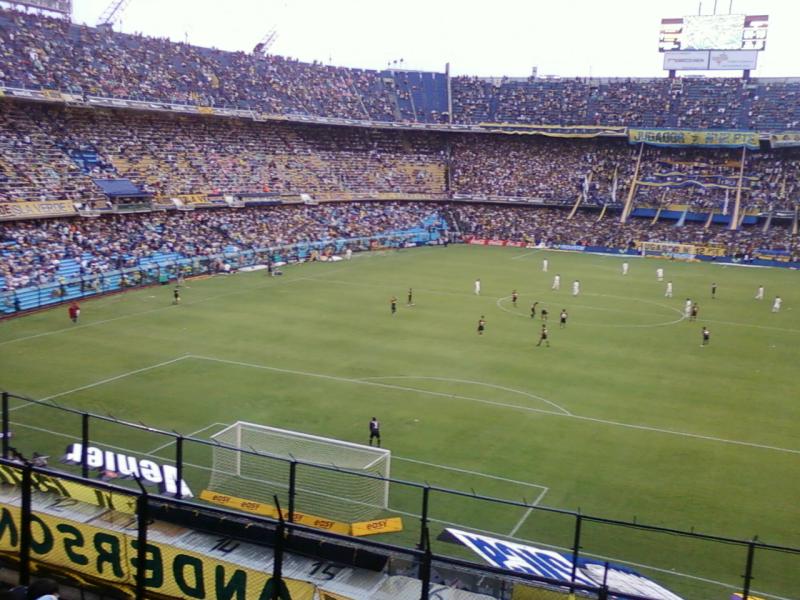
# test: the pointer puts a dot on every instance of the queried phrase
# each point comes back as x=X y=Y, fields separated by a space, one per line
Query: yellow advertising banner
x=110 y=556
x=10 y=211
x=205 y=110
x=699 y=138
x=256 y=508
x=390 y=525
x=267 y=510
x=69 y=489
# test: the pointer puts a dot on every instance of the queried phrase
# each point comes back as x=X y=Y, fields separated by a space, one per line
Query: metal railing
x=579 y=537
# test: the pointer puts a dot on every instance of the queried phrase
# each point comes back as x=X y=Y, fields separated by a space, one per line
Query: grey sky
x=611 y=38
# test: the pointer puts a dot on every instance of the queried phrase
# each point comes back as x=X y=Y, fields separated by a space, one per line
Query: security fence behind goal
x=343 y=492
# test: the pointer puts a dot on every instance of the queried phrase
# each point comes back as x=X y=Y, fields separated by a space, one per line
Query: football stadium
x=274 y=328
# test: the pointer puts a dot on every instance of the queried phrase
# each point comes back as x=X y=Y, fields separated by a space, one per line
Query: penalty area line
x=188 y=435
x=104 y=381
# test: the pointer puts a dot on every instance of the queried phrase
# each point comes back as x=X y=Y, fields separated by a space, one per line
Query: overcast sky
x=610 y=38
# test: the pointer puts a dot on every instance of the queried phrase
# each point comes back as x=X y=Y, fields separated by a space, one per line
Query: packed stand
x=42 y=52
x=34 y=250
x=169 y=155
x=552 y=226
x=708 y=103
x=45 y=53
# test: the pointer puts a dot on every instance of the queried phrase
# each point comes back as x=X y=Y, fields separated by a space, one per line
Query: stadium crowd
x=53 y=54
x=34 y=250
x=57 y=153
x=551 y=227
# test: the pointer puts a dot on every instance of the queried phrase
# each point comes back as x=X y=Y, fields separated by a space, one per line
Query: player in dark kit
x=563 y=318
x=693 y=314
x=543 y=336
x=481 y=325
x=393 y=303
x=74 y=312
x=713 y=291
x=176 y=296
x=375 y=431
x=514 y=297
x=544 y=314
x=533 y=310
x=410 y=297
x=706 y=336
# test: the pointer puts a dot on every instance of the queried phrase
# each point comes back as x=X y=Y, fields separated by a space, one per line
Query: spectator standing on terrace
x=74 y=311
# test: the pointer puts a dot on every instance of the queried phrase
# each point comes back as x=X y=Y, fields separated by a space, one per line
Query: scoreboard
x=712 y=42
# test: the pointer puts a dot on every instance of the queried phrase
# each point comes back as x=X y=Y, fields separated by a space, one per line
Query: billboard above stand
x=710 y=60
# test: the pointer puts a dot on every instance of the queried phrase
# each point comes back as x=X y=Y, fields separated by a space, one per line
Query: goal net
x=668 y=250
x=354 y=487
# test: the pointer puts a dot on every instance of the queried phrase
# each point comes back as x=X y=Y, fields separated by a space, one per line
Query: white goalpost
x=668 y=250
x=253 y=462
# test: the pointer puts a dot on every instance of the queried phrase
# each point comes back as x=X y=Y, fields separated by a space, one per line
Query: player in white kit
x=760 y=293
x=556 y=282
x=776 y=304
x=668 y=293
x=687 y=308
x=576 y=287
x=477 y=287
x=625 y=267
x=660 y=274
x=545 y=264
x=348 y=254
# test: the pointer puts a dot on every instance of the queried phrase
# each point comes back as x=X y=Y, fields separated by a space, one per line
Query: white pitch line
x=104 y=381
x=375 y=384
x=567 y=302
x=484 y=384
x=170 y=443
x=528 y=513
x=504 y=405
x=468 y=472
x=383 y=286
x=518 y=256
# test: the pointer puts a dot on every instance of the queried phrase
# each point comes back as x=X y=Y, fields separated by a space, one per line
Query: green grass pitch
x=625 y=416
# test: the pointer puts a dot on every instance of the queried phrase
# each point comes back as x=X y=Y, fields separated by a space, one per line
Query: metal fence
x=662 y=554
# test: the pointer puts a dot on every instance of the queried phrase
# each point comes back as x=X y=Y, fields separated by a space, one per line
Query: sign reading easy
x=129 y=467
x=546 y=563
